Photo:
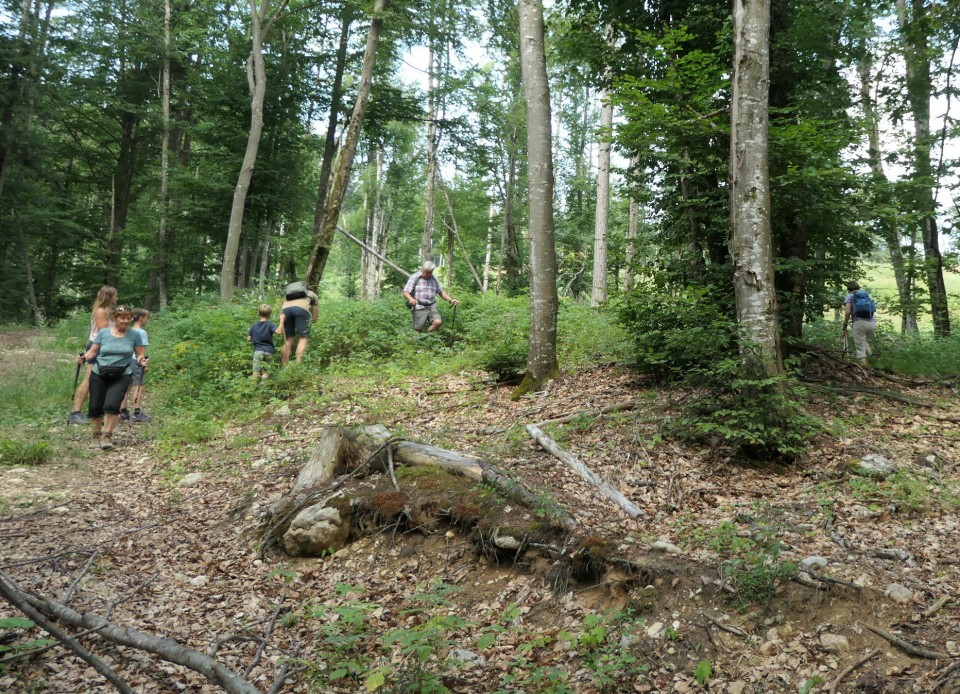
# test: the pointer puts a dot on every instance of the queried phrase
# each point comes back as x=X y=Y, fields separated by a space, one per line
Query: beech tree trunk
x=542 y=355
x=750 y=245
x=257 y=84
x=602 y=217
x=426 y=241
x=162 y=279
x=321 y=251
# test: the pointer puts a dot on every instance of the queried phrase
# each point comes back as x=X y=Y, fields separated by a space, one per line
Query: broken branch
x=850 y=668
x=906 y=645
x=586 y=473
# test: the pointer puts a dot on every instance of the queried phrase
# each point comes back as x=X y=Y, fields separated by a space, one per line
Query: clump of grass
x=14 y=452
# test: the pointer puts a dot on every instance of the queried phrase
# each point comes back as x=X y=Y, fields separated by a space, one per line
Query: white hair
x=428 y=266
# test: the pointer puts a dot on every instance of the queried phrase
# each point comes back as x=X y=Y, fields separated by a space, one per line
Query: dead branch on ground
x=850 y=668
x=586 y=473
x=906 y=645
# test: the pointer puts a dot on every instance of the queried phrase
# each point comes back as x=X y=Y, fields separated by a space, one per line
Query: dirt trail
x=181 y=561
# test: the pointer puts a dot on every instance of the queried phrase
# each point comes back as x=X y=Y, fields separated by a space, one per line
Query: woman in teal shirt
x=114 y=349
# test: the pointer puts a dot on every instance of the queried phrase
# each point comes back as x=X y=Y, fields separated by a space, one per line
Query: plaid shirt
x=422 y=289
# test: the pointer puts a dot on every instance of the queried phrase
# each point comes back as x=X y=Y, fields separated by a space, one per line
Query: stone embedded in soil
x=664 y=546
x=899 y=593
x=835 y=643
x=816 y=563
x=874 y=465
x=191 y=479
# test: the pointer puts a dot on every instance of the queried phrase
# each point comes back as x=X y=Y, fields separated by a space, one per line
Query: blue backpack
x=863 y=305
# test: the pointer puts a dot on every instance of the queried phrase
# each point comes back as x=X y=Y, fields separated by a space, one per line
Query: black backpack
x=296 y=290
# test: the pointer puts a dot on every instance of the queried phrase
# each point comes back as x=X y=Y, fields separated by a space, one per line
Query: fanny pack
x=114 y=371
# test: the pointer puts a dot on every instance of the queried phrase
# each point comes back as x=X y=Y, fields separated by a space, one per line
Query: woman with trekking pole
x=112 y=353
x=101 y=316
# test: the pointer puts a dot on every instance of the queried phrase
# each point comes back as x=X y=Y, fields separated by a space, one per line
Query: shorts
x=296 y=321
x=260 y=360
x=86 y=349
x=421 y=314
x=137 y=373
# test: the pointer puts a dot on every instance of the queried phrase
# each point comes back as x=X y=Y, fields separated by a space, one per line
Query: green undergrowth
x=356 y=652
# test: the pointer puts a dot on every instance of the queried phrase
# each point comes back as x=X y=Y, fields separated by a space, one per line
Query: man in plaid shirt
x=421 y=292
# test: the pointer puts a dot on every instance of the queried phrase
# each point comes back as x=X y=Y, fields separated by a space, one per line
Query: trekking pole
x=76 y=378
x=846 y=343
x=453 y=324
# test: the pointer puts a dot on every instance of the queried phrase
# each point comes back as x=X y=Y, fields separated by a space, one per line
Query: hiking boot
x=124 y=415
x=77 y=417
x=106 y=441
x=140 y=417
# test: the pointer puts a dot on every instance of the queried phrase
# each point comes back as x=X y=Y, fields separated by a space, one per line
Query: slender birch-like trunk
x=602 y=216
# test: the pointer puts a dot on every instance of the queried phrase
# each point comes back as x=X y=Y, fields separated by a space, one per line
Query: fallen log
x=471 y=467
x=906 y=645
x=586 y=473
x=166 y=648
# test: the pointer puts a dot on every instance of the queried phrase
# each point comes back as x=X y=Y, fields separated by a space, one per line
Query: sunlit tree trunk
x=601 y=219
x=160 y=260
x=750 y=244
x=321 y=251
x=489 y=253
x=888 y=224
x=426 y=241
x=915 y=30
x=257 y=84
x=542 y=355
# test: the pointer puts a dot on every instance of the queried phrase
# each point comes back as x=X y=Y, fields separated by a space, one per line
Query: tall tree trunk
x=489 y=253
x=426 y=241
x=602 y=217
x=542 y=355
x=257 y=84
x=509 y=248
x=160 y=258
x=915 y=30
x=265 y=256
x=888 y=224
x=750 y=244
x=336 y=106
x=321 y=251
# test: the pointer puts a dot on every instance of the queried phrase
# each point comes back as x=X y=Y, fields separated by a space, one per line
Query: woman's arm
x=101 y=318
x=89 y=354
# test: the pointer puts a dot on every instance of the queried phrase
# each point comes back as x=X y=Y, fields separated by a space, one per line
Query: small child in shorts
x=141 y=317
x=261 y=335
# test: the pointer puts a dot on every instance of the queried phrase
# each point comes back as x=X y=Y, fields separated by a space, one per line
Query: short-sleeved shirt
x=261 y=334
x=143 y=334
x=422 y=289
x=115 y=351
x=306 y=303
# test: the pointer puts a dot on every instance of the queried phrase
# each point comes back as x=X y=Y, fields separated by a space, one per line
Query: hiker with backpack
x=421 y=291
x=300 y=307
x=859 y=309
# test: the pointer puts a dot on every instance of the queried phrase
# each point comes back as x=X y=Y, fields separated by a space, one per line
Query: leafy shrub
x=674 y=333
x=685 y=337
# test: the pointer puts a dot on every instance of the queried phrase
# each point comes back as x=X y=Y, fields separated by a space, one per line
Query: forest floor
x=128 y=533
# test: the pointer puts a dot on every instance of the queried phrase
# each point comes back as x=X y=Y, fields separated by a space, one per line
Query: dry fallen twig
x=906 y=645
x=726 y=627
x=850 y=668
x=935 y=607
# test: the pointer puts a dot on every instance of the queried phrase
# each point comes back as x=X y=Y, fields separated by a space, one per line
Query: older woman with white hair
x=421 y=292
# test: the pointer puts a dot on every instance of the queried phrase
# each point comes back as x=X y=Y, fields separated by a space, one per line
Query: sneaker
x=78 y=417
x=124 y=415
x=106 y=441
x=141 y=417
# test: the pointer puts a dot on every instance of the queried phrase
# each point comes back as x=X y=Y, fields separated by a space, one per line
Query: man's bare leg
x=285 y=351
x=301 y=348
x=435 y=326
